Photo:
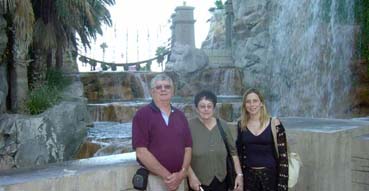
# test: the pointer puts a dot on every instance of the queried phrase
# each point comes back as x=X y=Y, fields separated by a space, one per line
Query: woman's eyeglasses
x=203 y=107
x=166 y=87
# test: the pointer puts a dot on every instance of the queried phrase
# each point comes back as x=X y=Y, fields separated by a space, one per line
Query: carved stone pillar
x=228 y=23
x=183 y=26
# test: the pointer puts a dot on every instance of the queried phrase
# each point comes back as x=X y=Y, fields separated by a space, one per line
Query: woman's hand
x=194 y=183
x=238 y=183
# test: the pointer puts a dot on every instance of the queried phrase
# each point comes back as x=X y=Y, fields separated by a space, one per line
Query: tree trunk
x=59 y=58
x=18 y=76
x=3 y=65
x=49 y=59
x=37 y=68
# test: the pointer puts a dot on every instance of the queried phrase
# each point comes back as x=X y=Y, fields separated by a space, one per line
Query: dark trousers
x=215 y=185
x=260 y=179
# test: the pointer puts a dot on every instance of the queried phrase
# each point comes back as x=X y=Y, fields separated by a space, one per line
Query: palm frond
x=44 y=35
x=7 y=5
x=23 y=20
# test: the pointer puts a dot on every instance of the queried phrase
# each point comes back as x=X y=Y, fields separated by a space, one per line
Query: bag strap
x=274 y=132
x=222 y=133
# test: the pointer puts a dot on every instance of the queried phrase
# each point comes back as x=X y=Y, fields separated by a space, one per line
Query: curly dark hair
x=205 y=94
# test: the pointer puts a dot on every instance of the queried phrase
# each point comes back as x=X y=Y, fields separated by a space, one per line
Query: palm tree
x=20 y=18
x=159 y=53
x=57 y=23
x=61 y=20
x=103 y=46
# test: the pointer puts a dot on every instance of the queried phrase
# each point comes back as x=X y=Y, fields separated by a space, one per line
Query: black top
x=259 y=149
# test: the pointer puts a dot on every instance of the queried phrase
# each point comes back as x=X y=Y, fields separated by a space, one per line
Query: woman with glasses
x=208 y=164
x=264 y=163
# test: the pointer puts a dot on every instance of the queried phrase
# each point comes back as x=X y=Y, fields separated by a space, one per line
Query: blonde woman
x=265 y=166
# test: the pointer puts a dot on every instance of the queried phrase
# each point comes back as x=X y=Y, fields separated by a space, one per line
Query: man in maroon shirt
x=162 y=139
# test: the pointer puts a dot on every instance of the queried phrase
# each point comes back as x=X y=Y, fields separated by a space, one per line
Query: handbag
x=140 y=179
x=294 y=161
x=294 y=165
x=231 y=172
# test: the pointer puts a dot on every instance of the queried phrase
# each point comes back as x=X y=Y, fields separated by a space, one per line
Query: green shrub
x=49 y=94
x=55 y=78
x=42 y=98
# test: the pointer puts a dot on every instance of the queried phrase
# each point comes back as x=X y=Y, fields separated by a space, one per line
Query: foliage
x=43 y=97
x=55 y=78
x=63 y=19
x=160 y=51
x=219 y=4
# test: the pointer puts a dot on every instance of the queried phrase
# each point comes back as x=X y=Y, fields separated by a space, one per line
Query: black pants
x=260 y=179
x=215 y=185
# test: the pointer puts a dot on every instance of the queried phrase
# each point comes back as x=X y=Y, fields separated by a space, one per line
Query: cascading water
x=310 y=52
x=144 y=83
x=228 y=78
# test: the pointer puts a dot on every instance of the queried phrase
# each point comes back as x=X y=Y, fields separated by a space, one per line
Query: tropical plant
x=20 y=19
x=103 y=46
x=58 y=22
x=43 y=97
x=219 y=4
x=52 y=27
x=160 y=53
x=55 y=78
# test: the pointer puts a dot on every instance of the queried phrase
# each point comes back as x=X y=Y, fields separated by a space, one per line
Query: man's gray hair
x=160 y=77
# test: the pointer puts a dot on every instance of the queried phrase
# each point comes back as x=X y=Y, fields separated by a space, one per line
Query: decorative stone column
x=183 y=27
x=228 y=23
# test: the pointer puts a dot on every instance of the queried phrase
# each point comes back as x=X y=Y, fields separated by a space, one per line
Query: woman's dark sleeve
x=283 y=159
x=239 y=144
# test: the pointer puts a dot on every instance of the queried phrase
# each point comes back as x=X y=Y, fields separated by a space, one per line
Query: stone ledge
x=360 y=163
x=100 y=173
x=326 y=147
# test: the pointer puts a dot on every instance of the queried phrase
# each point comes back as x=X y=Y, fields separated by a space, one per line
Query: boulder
x=52 y=136
x=185 y=59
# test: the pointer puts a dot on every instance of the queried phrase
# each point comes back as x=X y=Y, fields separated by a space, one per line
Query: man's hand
x=174 y=180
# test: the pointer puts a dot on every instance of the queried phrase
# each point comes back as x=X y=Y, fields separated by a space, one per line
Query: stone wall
x=298 y=54
x=360 y=163
x=334 y=155
x=108 y=86
x=53 y=136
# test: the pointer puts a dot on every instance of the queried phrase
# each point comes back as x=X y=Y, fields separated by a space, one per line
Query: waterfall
x=311 y=48
x=226 y=87
x=143 y=83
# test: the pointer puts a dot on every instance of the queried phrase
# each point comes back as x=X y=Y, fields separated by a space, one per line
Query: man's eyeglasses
x=166 y=87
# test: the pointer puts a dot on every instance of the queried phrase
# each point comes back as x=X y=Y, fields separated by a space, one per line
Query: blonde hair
x=245 y=117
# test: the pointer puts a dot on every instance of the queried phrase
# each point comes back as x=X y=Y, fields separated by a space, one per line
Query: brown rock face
x=360 y=90
x=87 y=150
x=222 y=81
x=115 y=85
